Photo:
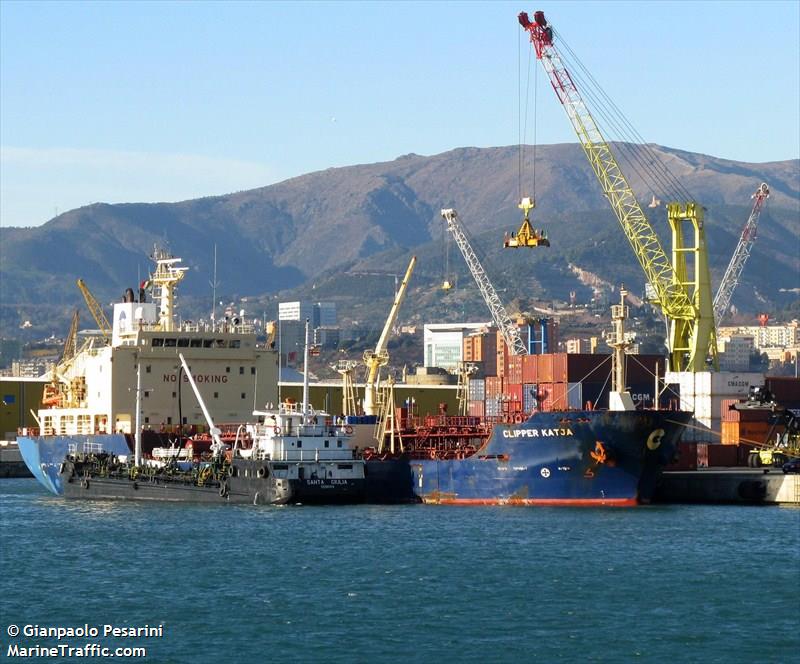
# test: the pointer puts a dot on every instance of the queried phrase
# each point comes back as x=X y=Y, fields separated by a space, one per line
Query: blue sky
x=152 y=101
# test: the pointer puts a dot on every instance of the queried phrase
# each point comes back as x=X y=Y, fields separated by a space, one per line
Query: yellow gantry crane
x=681 y=284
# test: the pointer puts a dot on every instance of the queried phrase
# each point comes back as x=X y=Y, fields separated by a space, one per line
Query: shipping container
x=530 y=365
x=575 y=396
x=468 y=354
x=785 y=389
x=586 y=366
x=642 y=368
x=492 y=407
x=702 y=455
x=477 y=389
x=544 y=369
x=726 y=412
x=642 y=393
x=530 y=397
x=720 y=383
x=560 y=368
x=722 y=455
x=513 y=397
x=476 y=408
x=686 y=457
x=494 y=386
x=596 y=393
x=515 y=369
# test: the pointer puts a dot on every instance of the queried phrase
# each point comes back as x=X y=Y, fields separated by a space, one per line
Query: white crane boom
x=499 y=314
x=377 y=358
x=722 y=300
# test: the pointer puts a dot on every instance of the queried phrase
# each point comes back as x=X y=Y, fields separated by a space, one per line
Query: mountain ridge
x=291 y=233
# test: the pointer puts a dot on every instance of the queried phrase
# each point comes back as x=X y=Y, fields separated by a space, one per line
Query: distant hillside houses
x=780 y=343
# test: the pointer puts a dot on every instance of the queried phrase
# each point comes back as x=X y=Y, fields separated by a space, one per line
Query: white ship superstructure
x=95 y=391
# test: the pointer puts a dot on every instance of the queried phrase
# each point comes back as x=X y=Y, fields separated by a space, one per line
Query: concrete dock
x=11 y=463
x=754 y=486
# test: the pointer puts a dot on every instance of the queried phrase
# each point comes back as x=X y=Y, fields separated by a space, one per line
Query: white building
x=444 y=343
x=735 y=352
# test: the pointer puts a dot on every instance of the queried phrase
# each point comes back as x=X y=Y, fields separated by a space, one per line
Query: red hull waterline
x=552 y=502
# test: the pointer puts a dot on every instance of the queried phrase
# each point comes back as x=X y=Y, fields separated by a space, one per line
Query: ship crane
x=95 y=309
x=499 y=314
x=683 y=294
x=379 y=357
x=730 y=281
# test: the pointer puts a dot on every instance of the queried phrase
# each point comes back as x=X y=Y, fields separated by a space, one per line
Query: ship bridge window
x=158 y=343
x=148 y=369
x=241 y=371
x=326 y=443
x=235 y=343
x=252 y=371
x=344 y=466
x=338 y=443
x=208 y=343
x=170 y=343
x=196 y=343
x=183 y=342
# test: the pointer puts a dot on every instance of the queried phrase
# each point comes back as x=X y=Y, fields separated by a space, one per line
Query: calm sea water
x=409 y=583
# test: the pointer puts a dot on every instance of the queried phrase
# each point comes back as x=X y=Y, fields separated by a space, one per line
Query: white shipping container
x=719 y=383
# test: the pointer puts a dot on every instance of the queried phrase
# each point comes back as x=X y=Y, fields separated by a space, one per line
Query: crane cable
x=635 y=151
x=522 y=118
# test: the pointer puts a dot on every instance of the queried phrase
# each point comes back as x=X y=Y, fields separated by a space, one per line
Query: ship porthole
x=85 y=484
x=262 y=472
x=654 y=439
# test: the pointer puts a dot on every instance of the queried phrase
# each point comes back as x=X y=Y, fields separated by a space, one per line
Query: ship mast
x=305 y=376
x=618 y=398
x=164 y=280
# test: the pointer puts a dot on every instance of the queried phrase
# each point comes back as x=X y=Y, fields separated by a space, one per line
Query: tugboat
x=291 y=455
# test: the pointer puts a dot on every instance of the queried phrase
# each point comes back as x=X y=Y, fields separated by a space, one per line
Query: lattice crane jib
x=498 y=312
x=722 y=300
x=95 y=309
x=683 y=308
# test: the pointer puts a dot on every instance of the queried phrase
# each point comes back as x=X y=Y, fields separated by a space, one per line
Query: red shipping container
x=513 y=393
x=702 y=455
x=494 y=386
x=515 y=369
x=722 y=455
x=545 y=368
x=560 y=396
x=529 y=369
x=476 y=408
x=726 y=413
x=560 y=374
x=686 y=457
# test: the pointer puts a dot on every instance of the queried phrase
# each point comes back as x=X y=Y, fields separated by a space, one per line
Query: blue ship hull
x=555 y=458
x=559 y=458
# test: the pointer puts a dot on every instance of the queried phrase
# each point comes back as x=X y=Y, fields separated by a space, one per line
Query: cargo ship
x=90 y=405
x=529 y=447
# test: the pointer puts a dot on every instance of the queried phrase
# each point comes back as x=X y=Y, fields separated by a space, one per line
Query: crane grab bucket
x=527 y=235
